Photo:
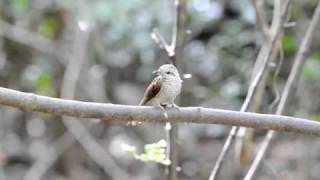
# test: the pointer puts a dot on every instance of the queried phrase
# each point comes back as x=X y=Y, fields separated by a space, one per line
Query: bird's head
x=167 y=72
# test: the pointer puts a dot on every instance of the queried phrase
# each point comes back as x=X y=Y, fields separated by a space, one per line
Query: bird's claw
x=175 y=106
x=165 y=115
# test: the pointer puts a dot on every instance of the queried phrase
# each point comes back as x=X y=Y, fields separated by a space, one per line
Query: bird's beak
x=156 y=72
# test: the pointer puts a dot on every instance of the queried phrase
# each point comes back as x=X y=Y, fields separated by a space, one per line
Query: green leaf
x=43 y=84
x=311 y=67
x=148 y=148
x=288 y=43
x=48 y=26
x=160 y=151
x=20 y=5
x=155 y=152
x=43 y=80
x=144 y=157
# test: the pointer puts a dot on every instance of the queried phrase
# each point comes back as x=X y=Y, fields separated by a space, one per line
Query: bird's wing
x=151 y=91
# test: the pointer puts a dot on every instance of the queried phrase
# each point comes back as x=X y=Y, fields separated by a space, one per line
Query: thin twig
x=272 y=170
x=275 y=87
x=267 y=55
x=257 y=75
x=174 y=52
x=156 y=36
x=177 y=44
x=261 y=18
x=244 y=135
x=289 y=87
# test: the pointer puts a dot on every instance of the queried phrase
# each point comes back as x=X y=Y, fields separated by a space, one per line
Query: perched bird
x=163 y=89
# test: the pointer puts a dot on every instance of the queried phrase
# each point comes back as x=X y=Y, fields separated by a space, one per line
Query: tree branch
x=156 y=36
x=289 y=87
x=257 y=74
x=261 y=21
x=267 y=55
x=113 y=112
x=178 y=39
x=174 y=52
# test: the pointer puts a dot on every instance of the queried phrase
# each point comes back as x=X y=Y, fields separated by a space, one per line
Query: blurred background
x=101 y=51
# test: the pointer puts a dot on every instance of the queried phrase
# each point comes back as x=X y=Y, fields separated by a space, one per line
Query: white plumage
x=170 y=83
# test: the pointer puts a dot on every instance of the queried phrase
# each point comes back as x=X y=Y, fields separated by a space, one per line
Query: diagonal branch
x=289 y=87
x=267 y=55
x=261 y=18
x=257 y=74
x=156 y=36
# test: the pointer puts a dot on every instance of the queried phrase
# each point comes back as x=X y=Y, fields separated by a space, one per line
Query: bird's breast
x=169 y=90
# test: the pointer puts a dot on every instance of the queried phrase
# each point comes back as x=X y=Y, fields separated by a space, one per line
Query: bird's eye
x=168 y=72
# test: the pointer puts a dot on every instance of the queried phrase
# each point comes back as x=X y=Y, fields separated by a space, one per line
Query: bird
x=162 y=90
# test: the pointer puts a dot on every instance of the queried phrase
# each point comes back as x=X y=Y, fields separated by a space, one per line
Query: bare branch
x=261 y=18
x=267 y=56
x=299 y=60
x=112 y=112
x=156 y=36
x=289 y=87
x=178 y=38
x=174 y=52
x=259 y=70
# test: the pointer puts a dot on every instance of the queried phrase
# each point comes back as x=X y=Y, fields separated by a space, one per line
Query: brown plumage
x=163 y=89
x=152 y=90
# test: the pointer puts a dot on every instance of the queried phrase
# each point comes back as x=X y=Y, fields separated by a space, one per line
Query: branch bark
x=113 y=112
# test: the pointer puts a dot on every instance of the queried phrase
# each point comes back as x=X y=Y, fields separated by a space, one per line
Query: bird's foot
x=175 y=106
x=165 y=114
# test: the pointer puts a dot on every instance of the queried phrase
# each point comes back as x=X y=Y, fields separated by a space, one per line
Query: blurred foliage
x=312 y=67
x=19 y=8
x=48 y=26
x=43 y=84
x=288 y=43
x=315 y=117
x=155 y=152
x=221 y=46
x=20 y=5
